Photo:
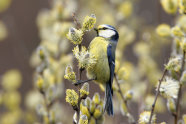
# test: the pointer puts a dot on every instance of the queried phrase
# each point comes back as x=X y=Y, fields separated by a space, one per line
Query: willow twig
x=157 y=93
x=75 y=20
x=121 y=94
x=78 y=25
x=46 y=105
x=79 y=100
x=178 y=106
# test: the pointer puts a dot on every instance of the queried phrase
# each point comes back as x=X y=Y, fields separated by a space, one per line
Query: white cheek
x=106 y=33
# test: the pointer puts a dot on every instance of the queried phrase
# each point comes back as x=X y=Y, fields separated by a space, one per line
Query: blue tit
x=103 y=48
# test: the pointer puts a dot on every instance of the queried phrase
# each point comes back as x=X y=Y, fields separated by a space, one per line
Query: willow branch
x=75 y=20
x=46 y=105
x=79 y=100
x=157 y=93
x=178 y=106
x=121 y=94
x=78 y=25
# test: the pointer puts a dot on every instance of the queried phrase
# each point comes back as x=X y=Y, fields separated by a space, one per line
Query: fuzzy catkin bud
x=70 y=74
x=145 y=116
x=87 y=102
x=83 y=119
x=130 y=118
x=85 y=111
x=129 y=95
x=92 y=121
x=100 y=120
x=121 y=73
x=41 y=52
x=176 y=31
x=40 y=84
x=1 y=98
x=84 y=91
x=92 y=107
x=169 y=88
x=3 y=29
x=93 y=111
x=46 y=119
x=174 y=65
x=117 y=63
x=170 y=6
x=183 y=44
x=96 y=98
x=177 y=43
x=126 y=9
x=183 y=78
x=85 y=59
x=182 y=6
x=52 y=116
x=89 y=22
x=163 y=123
x=71 y=97
x=75 y=118
x=171 y=105
x=163 y=30
x=97 y=112
x=184 y=118
x=57 y=11
x=11 y=80
x=75 y=36
x=123 y=109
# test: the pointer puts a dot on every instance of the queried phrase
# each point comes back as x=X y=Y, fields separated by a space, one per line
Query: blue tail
x=108 y=100
x=109 y=92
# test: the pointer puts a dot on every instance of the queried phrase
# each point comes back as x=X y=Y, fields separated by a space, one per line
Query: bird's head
x=107 y=31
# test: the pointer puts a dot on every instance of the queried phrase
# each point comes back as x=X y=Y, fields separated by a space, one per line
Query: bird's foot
x=78 y=82
x=82 y=82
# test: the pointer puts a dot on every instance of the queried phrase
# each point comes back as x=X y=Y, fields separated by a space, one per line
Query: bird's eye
x=104 y=28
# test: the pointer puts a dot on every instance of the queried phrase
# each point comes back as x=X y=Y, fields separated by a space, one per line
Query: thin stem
x=79 y=86
x=178 y=106
x=157 y=93
x=78 y=25
x=46 y=105
x=123 y=98
x=76 y=21
x=79 y=100
x=120 y=92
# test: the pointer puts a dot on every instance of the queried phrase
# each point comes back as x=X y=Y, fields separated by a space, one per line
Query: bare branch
x=121 y=94
x=178 y=106
x=156 y=97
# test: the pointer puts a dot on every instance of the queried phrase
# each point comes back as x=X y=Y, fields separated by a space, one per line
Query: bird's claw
x=81 y=82
x=78 y=83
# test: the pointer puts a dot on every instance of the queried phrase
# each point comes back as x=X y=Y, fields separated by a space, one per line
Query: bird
x=103 y=47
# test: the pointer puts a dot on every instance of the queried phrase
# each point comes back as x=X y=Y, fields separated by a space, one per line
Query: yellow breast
x=101 y=71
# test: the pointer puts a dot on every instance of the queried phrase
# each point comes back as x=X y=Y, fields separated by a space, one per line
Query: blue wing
x=111 y=60
x=109 y=91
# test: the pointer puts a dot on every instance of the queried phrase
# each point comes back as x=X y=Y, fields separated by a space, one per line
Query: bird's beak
x=96 y=31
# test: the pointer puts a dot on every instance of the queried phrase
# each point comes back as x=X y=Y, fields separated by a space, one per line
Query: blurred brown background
x=16 y=49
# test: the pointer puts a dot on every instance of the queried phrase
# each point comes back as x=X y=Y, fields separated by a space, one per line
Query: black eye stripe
x=104 y=28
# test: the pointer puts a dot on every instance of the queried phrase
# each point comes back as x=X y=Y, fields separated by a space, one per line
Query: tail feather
x=108 y=100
